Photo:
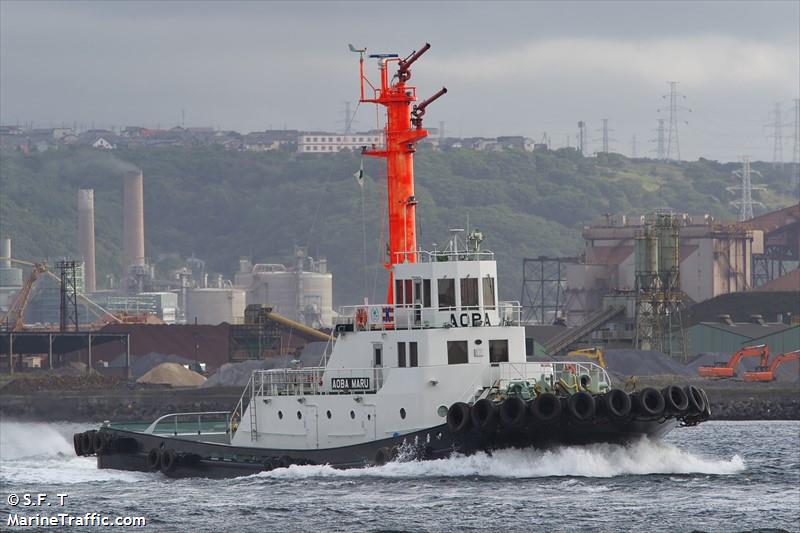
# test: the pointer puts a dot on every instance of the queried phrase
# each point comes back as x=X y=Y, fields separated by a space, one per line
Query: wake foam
x=38 y=453
x=643 y=457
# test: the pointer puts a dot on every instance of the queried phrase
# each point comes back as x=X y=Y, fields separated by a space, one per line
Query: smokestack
x=132 y=220
x=5 y=251
x=86 y=236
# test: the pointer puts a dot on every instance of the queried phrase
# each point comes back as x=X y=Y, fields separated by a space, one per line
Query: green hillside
x=220 y=205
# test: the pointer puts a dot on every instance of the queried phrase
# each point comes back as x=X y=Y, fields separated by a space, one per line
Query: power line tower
x=582 y=139
x=796 y=135
x=745 y=203
x=69 y=295
x=661 y=153
x=777 y=136
x=348 y=119
x=673 y=151
x=633 y=146
x=605 y=131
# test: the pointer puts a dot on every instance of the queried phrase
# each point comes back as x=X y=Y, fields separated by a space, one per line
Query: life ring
x=169 y=460
x=153 y=459
x=361 y=317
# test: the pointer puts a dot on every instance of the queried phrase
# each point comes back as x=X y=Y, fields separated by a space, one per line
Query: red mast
x=401 y=139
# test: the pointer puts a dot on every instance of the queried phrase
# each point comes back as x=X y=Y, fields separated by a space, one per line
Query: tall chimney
x=5 y=251
x=132 y=220
x=86 y=236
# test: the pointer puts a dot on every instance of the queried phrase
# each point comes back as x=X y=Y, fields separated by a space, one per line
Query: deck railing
x=197 y=423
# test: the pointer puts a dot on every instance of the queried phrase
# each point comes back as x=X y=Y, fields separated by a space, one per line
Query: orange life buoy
x=361 y=317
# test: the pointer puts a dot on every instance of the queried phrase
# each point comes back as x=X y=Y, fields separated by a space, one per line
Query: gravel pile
x=142 y=364
x=172 y=374
x=238 y=374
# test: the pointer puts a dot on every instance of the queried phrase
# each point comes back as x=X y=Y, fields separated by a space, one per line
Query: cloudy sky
x=513 y=68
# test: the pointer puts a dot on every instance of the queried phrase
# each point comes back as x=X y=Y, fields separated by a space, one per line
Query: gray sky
x=512 y=68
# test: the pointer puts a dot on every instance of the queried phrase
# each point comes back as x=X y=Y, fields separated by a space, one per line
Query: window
x=398 y=292
x=426 y=292
x=456 y=352
x=488 y=293
x=413 y=358
x=498 y=351
x=447 y=293
x=377 y=352
x=469 y=292
x=401 y=354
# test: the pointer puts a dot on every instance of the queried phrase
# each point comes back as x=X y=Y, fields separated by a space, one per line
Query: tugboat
x=438 y=369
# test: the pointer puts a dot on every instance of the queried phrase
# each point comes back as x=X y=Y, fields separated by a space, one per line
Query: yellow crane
x=590 y=353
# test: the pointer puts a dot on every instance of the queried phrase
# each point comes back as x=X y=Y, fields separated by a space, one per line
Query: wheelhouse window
x=447 y=293
x=401 y=354
x=469 y=293
x=498 y=351
x=488 y=293
x=426 y=293
x=402 y=292
x=457 y=352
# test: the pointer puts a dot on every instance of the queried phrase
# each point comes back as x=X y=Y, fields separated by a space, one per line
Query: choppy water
x=720 y=476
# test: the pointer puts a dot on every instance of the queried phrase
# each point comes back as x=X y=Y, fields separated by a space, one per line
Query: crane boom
x=764 y=373
x=16 y=311
x=724 y=369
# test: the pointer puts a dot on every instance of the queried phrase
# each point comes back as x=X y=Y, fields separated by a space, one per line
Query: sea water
x=719 y=476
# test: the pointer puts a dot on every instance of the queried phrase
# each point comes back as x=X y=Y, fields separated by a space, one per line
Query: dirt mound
x=172 y=374
x=644 y=363
x=238 y=374
x=142 y=364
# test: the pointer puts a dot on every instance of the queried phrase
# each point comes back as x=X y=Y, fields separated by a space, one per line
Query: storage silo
x=668 y=251
x=214 y=306
x=10 y=276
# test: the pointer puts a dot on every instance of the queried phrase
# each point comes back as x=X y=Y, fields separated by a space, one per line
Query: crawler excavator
x=767 y=373
x=722 y=369
x=590 y=353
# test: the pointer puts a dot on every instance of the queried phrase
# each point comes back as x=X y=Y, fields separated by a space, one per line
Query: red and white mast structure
x=402 y=132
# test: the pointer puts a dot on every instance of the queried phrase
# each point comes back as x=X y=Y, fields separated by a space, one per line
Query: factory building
x=303 y=293
x=715 y=259
x=726 y=336
x=327 y=143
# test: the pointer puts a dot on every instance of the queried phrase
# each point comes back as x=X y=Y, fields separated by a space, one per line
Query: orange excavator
x=721 y=369
x=767 y=373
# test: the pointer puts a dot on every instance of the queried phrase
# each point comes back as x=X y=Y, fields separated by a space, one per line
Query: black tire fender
x=87 y=442
x=581 y=406
x=383 y=456
x=169 y=461
x=546 y=408
x=458 y=417
x=616 y=404
x=650 y=402
x=100 y=443
x=697 y=402
x=483 y=414
x=512 y=412
x=76 y=444
x=675 y=399
x=154 y=459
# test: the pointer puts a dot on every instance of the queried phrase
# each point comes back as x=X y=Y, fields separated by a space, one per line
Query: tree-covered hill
x=220 y=205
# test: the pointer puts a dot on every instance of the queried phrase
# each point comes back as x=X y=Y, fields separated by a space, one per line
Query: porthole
x=299 y=415
x=280 y=415
x=402 y=413
x=369 y=417
x=442 y=411
x=478 y=342
x=353 y=415
x=328 y=414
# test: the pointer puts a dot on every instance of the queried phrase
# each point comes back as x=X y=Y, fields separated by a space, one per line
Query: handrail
x=425 y=256
x=199 y=414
